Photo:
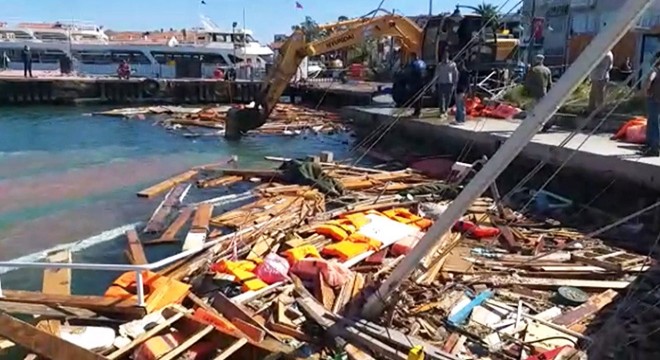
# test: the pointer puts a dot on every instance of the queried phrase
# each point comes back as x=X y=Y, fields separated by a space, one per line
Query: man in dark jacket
x=462 y=89
x=26 y=56
x=416 y=75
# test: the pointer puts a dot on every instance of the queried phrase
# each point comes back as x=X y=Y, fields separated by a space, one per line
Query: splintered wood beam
x=59 y=312
x=42 y=343
x=146 y=336
x=231 y=349
x=219 y=181
x=98 y=304
x=167 y=184
x=170 y=234
x=135 y=251
x=58 y=281
x=55 y=281
x=158 y=220
x=188 y=343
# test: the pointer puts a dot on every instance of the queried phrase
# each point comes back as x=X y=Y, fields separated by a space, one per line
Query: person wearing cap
x=26 y=56
x=599 y=77
x=538 y=80
x=537 y=83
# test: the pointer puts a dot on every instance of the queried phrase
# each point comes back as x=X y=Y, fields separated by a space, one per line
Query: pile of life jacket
x=476 y=108
x=633 y=131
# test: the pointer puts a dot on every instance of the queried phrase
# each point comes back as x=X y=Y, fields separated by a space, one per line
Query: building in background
x=561 y=29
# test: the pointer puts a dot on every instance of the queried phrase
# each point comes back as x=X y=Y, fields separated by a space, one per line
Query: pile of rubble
x=280 y=262
x=286 y=120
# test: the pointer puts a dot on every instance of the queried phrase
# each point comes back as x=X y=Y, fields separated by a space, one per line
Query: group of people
x=539 y=80
x=451 y=81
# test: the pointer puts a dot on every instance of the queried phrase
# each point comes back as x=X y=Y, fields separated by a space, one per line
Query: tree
x=488 y=12
x=342 y=18
x=311 y=29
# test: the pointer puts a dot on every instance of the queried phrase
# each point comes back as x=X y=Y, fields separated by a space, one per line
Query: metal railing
x=139 y=280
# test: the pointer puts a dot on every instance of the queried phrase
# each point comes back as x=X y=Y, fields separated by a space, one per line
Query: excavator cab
x=467 y=40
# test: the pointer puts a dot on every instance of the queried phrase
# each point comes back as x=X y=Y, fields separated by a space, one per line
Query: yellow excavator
x=441 y=33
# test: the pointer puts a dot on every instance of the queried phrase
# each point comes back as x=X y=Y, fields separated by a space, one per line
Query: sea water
x=68 y=180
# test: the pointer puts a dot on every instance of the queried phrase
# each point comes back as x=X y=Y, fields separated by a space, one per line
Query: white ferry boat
x=193 y=53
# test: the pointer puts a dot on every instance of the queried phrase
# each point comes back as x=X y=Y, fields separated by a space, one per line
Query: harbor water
x=68 y=179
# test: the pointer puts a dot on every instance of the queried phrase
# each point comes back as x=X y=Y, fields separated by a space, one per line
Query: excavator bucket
x=240 y=121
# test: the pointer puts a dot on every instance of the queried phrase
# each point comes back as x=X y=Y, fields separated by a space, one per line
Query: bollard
x=139 y=283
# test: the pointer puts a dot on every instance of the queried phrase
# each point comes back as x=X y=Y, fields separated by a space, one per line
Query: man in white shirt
x=446 y=74
x=599 y=77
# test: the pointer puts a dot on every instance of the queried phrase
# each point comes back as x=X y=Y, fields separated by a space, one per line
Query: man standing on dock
x=416 y=77
x=652 y=89
x=599 y=77
x=446 y=74
x=26 y=56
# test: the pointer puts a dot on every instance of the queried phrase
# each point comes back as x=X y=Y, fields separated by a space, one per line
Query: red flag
x=298 y=5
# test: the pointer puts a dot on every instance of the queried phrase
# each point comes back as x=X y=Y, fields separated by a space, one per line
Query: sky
x=264 y=17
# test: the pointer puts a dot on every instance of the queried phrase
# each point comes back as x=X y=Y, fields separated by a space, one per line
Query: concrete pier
x=598 y=156
x=108 y=90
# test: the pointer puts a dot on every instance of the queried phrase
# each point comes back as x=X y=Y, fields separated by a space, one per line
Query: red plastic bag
x=474 y=231
x=636 y=134
x=621 y=133
x=274 y=269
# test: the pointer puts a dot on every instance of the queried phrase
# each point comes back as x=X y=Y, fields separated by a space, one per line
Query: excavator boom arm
x=296 y=48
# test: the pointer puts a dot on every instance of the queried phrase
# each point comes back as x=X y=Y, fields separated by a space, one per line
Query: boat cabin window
x=234 y=59
x=111 y=57
x=165 y=57
x=50 y=56
x=38 y=56
x=133 y=57
x=15 y=35
x=218 y=37
x=201 y=37
x=237 y=38
x=86 y=37
x=51 y=36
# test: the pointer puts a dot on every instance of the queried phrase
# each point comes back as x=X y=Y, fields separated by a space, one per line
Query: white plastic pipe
x=573 y=76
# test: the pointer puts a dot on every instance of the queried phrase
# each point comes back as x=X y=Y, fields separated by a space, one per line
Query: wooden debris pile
x=279 y=263
x=286 y=119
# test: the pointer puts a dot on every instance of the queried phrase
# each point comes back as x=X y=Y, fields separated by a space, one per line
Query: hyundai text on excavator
x=441 y=33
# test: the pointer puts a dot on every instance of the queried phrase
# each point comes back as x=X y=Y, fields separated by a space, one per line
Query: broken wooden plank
x=101 y=304
x=55 y=281
x=202 y=217
x=58 y=281
x=199 y=228
x=344 y=295
x=231 y=349
x=167 y=184
x=145 y=336
x=219 y=181
x=261 y=173
x=549 y=283
x=42 y=343
x=158 y=220
x=135 y=252
x=192 y=340
x=591 y=307
x=58 y=312
x=326 y=294
x=236 y=311
x=170 y=234
x=261 y=247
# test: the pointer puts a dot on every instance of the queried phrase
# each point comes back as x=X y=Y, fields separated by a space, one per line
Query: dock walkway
x=598 y=155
